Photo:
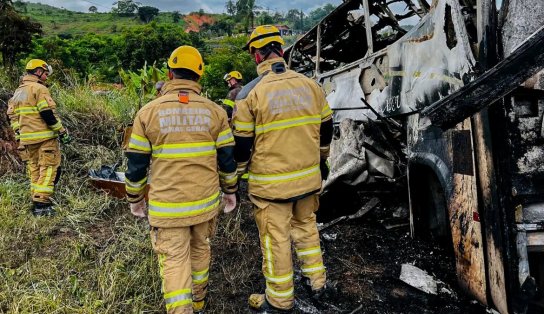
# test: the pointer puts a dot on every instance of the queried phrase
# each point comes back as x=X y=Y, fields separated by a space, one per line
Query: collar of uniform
x=30 y=78
x=267 y=65
x=177 y=85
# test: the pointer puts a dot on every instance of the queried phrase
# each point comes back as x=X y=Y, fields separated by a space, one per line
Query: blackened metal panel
x=462 y=152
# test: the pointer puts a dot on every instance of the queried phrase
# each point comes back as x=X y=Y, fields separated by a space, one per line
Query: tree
x=151 y=42
x=126 y=7
x=16 y=33
x=292 y=16
x=226 y=56
x=231 y=8
x=93 y=9
x=318 y=14
x=20 y=6
x=147 y=13
x=175 y=17
x=265 y=18
x=296 y=18
x=246 y=10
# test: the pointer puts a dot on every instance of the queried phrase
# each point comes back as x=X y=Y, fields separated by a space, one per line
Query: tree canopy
x=147 y=13
x=125 y=7
x=16 y=33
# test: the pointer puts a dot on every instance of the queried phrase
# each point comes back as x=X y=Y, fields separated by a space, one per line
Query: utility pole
x=301 y=21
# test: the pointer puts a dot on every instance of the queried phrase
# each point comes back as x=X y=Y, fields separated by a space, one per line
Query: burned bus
x=448 y=97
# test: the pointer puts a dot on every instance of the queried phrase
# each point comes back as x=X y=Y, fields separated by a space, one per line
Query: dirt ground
x=362 y=257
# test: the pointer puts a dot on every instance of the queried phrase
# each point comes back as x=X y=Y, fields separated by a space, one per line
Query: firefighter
x=234 y=81
x=283 y=129
x=191 y=146
x=37 y=127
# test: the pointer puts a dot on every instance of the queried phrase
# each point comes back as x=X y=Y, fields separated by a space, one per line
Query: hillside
x=56 y=21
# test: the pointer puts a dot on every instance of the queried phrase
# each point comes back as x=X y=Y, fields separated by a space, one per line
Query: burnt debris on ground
x=362 y=257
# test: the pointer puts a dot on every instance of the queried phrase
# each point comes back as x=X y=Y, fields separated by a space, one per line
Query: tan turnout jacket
x=24 y=110
x=182 y=131
x=284 y=112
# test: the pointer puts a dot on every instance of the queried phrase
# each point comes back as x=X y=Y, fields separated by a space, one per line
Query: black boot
x=43 y=209
x=259 y=304
x=327 y=292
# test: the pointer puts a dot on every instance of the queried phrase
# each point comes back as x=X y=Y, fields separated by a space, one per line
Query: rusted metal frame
x=490 y=205
x=507 y=75
x=368 y=28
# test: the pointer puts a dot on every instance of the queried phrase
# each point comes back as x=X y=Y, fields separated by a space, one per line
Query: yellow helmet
x=186 y=57
x=233 y=74
x=37 y=63
x=262 y=36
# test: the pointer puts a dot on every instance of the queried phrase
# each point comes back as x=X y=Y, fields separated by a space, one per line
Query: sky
x=185 y=6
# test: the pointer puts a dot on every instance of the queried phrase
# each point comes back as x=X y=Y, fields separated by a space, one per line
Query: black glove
x=65 y=138
x=324 y=167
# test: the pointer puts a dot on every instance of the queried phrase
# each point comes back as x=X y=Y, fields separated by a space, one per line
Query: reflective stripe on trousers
x=178 y=298
x=312 y=251
x=313 y=269
x=200 y=277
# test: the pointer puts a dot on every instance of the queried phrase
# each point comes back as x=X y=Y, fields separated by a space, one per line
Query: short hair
x=273 y=47
x=185 y=74
x=33 y=71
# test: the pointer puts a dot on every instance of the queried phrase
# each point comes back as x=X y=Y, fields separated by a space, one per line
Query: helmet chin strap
x=258 y=58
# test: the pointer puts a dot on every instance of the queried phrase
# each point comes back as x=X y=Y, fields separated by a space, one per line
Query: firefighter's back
x=287 y=108
x=183 y=130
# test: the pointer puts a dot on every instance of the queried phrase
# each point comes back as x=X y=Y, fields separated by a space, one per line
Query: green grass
x=93 y=257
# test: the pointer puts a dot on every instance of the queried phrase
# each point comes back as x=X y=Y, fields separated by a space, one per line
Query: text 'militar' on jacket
x=280 y=114
x=190 y=143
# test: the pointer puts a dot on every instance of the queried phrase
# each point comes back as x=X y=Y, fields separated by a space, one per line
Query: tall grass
x=93 y=257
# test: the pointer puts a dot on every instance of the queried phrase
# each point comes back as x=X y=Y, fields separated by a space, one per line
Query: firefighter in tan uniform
x=284 y=118
x=234 y=81
x=33 y=117
x=191 y=146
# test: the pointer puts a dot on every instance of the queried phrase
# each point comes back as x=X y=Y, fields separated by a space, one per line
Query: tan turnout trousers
x=43 y=160
x=279 y=224
x=184 y=261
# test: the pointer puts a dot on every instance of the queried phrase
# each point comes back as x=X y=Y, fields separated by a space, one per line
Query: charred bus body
x=475 y=178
